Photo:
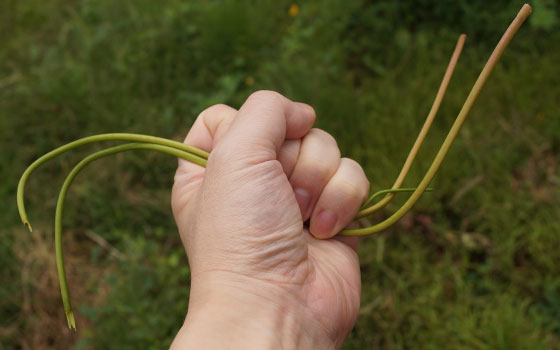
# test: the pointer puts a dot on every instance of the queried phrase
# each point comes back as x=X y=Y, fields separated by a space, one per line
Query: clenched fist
x=260 y=277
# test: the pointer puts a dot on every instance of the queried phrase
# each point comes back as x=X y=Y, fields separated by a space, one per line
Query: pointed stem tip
x=70 y=319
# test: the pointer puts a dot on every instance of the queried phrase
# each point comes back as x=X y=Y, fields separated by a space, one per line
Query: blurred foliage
x=474 y=266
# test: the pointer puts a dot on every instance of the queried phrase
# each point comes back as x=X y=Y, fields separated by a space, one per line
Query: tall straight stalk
x=467 y=106
x=423 y=132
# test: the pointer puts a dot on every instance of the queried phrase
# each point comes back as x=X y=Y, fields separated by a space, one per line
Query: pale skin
x=259 y=278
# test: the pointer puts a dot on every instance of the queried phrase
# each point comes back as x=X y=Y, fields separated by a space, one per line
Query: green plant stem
x=467 y=106
x=423 y=132
x=104 y=137
x=392 y=191
x=62 y=196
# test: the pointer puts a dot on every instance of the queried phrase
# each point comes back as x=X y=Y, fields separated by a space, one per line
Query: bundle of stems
x=198 y=156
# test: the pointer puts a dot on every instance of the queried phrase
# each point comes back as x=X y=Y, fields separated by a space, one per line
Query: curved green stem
x=64 y=190
x=475 y=91
x=103 y=137
x=425 y=128
x=391 y=191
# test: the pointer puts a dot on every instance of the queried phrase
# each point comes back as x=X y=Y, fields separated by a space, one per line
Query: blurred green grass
x=474 y=266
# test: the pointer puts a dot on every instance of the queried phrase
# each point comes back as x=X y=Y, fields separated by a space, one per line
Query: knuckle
x=351 y=163
x=323 y=136
x=265 y=96
x=213 y=116
x=213 y=111
x=310 y=110
x=217 y=109
x=351 y=190
x=323 y=143
x=361 y=181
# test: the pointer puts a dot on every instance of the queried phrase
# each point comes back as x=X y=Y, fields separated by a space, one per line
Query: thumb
x=262 y=124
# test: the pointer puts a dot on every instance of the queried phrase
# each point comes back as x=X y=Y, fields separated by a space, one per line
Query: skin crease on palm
x=259 y=277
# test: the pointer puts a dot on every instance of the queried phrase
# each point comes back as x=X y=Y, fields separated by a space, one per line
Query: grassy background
x=474 y=266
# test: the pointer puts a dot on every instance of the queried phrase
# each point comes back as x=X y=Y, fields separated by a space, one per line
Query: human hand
x=259 y=278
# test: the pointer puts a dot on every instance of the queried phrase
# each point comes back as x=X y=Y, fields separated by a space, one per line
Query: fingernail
x=303 y=198
x=325 y=222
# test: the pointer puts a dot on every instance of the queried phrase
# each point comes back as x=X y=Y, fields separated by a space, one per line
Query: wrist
x=250 y=315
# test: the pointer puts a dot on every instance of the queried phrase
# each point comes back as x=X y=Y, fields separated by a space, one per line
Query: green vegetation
x=475 y=265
